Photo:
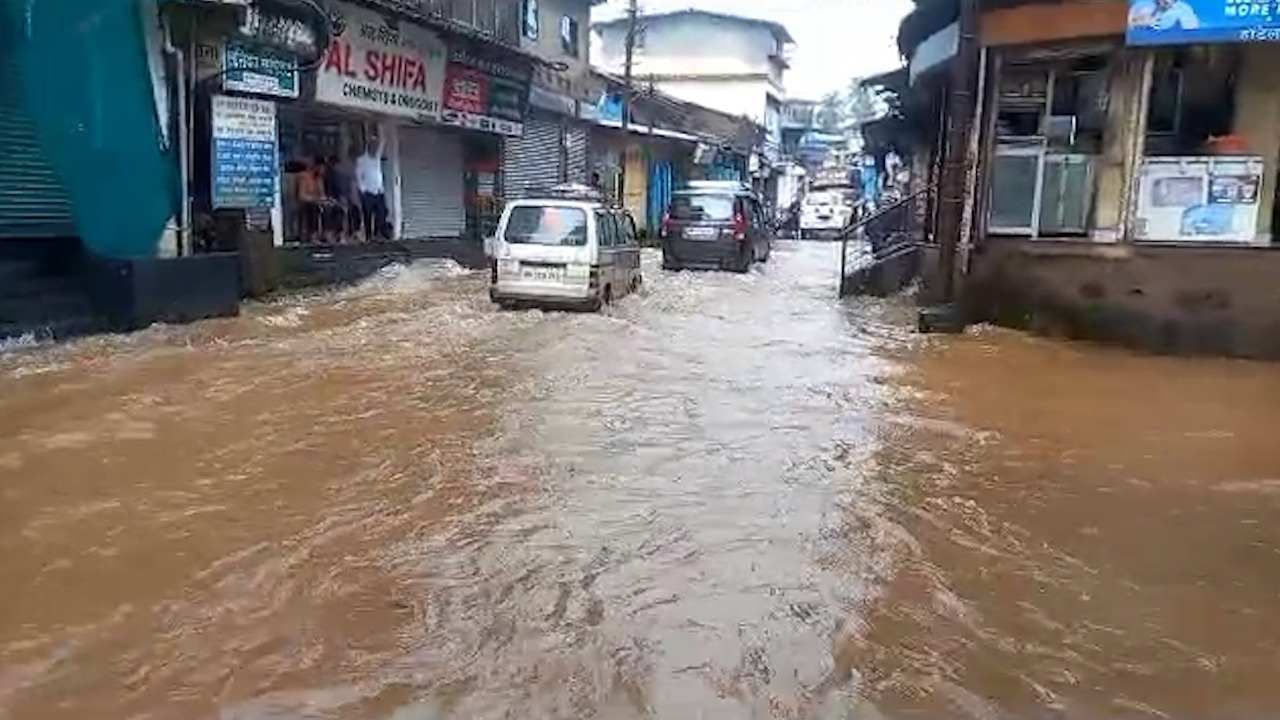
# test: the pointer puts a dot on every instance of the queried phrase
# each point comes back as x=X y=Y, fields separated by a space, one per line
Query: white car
x=824 y=213
x=564 y=249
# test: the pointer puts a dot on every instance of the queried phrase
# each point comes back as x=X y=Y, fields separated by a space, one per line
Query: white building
x=731 y=64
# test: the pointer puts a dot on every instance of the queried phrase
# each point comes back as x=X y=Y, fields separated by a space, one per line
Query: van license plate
x=701 y=233
x=542 y=274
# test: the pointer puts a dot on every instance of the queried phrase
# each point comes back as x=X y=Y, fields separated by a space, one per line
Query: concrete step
x=43 y=308
x=35 y=286
x=14 y=271
x=945 y=319
x=59 y=329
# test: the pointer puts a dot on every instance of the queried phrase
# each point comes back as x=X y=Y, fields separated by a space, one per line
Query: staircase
x=43 y=295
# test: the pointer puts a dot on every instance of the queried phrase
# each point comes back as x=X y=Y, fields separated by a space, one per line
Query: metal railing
x=884 y=234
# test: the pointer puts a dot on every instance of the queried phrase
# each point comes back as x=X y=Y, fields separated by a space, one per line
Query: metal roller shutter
x=33 y=202
x=576 y=142
x=431 y=191
x=532 y=161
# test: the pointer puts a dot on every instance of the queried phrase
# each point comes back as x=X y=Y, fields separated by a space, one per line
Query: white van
x=566 y=250
x=826 y=212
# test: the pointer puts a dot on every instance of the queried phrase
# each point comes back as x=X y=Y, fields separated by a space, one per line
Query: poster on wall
x=1182 y=22
x=1199 y=199
x=382 y=66
x=244 y=160
x=485 y=94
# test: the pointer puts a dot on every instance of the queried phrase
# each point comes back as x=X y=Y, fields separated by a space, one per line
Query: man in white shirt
x=373 y=195
x=1164 y=15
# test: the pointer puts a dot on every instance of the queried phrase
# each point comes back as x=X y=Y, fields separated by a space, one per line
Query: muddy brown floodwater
x=730 y=497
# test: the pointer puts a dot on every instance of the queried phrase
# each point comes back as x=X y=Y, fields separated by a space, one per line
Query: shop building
x=556 y=143
x=1124 y=171
x=437 y=102
x=729 y=63
x=664 y=143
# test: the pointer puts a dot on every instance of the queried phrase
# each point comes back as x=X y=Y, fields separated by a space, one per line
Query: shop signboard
x=259 y=71
x=1183 y=22
x=244 y=158
x=485 y=94
x=380 y=65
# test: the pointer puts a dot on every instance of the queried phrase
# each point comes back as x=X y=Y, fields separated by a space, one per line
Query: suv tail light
x=664 y=230
x=739 y=226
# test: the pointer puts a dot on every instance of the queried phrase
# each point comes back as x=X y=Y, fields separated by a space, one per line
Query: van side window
x=619 y=228
x=629 y=229
x=605 y=229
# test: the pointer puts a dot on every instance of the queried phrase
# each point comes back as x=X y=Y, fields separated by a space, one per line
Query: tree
x=857 y=104
x=862 y=103
x=831 y=111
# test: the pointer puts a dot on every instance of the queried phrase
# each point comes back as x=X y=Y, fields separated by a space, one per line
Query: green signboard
x=259 y=71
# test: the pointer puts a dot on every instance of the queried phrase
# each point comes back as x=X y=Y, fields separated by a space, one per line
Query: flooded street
x=728 y=497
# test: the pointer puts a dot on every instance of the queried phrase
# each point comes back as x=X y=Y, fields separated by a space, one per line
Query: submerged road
x=727 y=497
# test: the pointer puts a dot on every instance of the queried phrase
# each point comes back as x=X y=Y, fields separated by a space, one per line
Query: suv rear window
x=718 y=208
x=532 y=225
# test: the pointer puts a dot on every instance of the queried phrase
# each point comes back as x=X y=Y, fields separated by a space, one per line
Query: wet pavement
x=729 y=497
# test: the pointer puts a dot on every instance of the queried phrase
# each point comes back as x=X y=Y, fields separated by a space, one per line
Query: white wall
x=736 y=97
x=693 y=45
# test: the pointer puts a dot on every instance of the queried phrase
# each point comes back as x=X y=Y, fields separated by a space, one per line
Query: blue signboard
x=1184 y=22
x=245 y=163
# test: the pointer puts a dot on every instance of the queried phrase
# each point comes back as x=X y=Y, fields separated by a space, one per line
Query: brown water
x=731 y=497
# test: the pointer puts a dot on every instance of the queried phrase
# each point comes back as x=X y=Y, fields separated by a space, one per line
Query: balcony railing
x=498 y=20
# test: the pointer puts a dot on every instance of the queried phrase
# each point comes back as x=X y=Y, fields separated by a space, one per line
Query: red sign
x=466 y=90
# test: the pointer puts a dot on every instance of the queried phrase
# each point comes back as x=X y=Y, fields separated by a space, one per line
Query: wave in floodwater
x=727 y=496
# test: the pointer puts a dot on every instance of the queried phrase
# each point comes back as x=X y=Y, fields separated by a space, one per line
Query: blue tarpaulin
x=87 y=86
x=1183 y=22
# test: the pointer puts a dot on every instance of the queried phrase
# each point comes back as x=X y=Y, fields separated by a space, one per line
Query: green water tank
x=88 y=87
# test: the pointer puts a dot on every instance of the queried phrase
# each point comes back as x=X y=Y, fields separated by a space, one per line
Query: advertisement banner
x=373 y=64
x=485 y=94
x=1183 y=22
x=1199 y=199
x=244 y=159
x=259 y=71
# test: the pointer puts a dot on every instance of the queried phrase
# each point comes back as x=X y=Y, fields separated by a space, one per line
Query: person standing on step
x=373 y=196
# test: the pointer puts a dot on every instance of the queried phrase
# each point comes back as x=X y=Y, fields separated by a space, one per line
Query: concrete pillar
x=1258 y=121
x=1122 y=143
x=395 y=196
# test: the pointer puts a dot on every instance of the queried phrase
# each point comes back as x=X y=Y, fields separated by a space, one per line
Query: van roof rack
x=564 y=191
x=734 y=186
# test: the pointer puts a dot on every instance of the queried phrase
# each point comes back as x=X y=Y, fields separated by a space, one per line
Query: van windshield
x=547 y=226
x=702 y=207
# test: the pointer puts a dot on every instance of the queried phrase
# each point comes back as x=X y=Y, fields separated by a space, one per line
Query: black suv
x=715 y=226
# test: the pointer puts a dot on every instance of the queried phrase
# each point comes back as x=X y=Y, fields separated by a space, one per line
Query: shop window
x=1192 y=101
x=1199 y=179
x=1050 y=127
x=569 y=36
x=529 y=19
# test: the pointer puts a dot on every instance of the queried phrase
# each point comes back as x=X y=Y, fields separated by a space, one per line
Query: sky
x=836 y=40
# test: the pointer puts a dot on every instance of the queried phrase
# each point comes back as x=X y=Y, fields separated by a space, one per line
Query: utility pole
x=628 y=72
x=955 y=173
